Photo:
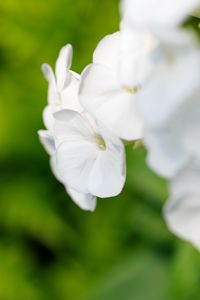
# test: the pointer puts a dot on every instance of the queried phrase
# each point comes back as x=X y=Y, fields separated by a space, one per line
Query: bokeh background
x=49 y=248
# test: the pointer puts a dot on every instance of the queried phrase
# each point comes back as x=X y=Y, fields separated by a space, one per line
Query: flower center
x=132 y=90
x=100 y=142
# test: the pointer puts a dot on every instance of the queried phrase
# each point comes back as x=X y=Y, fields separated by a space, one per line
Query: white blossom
x=90 y=160
x=62 y=93
x=169 y=104
x=104 y=96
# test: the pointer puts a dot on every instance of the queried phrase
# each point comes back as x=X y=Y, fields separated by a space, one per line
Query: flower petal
x=157 y=13
x=63 y=64
x=84 y=201
x=74 y=161
x=166 y=155
x=102 y=95
x=108 y=173
x=76 y=150
x=48 y=118
x=54 y=168
x=72 y=126
x=135 y=59
x=107 y=52
x=174 y=81
x=182 y=211
x=69 y=94
x=52 y=88
x=47 y=141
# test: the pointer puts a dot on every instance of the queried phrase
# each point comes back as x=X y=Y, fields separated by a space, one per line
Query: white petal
x=107 y=51
x=174 y=82
x=75 y=160
x=157 y=13
x=63 y=64
x=52 y=88
x=84 y=201
x=76 y=150
x=54 y=168
x=69 y=94
x=187 y=180
x=108 y=173
x=189 y=116
x=166 y=155
x=48 y=118
x=182 y=211
x=135 y=59
x=113 y=105
x=183 y=218
x=47 y=141
x=71 y=126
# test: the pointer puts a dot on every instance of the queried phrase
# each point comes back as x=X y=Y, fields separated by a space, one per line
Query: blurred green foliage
x=49 y=248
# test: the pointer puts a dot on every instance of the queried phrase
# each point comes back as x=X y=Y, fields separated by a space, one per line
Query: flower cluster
x=143 y=84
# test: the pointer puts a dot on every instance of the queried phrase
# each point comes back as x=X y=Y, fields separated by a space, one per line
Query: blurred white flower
x=63 y=87
x=136 y=47
x=90 y=160
x=182 y=210
x=104 y=96
x=172 y=145
x=169 y=104
x=157 y=14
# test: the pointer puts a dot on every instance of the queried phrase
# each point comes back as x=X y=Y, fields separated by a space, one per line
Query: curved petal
x=69 y=94
x=108 y=173
x=48 y=118
x=189 y=116
x=47 y=141
x=182 y=211
x=54 y=168
x=107 y=51
x=76 y=150
x=174 y=81
x=84 y=201
x=157 y=13
x=101 y=95
x=165 y=153
x=135 y=60
x=72 y=126
x=52 y=88
x=63 y=64
x=75 y=160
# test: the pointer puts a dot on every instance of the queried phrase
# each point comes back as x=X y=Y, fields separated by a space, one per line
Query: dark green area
x=49 y=248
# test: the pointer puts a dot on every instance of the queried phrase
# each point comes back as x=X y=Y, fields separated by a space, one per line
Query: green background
x=49 y=248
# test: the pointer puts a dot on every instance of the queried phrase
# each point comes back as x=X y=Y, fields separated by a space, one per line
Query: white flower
x=172 y=145
x=182 y=210
x=90 y=160
x=63 y=87
x=169 y=104
x=105 y=97
x=157 y=14
x=136 y=47
x=85 y=201
x=62 y=93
